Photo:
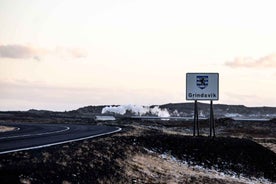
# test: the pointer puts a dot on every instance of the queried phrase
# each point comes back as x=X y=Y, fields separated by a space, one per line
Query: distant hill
x=221 y=110
x=187 y=109
x=174 y=109
x=90 y=109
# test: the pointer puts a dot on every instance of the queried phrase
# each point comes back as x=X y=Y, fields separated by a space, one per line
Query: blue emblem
x=202 y=81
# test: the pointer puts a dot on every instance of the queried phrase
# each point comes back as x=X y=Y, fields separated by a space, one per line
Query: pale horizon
x=66 y=54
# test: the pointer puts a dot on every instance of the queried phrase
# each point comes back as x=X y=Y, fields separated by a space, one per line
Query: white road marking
x=62 y=142
x=45 y=133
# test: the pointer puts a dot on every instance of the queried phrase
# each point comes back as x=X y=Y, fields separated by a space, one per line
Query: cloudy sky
x=64 y=54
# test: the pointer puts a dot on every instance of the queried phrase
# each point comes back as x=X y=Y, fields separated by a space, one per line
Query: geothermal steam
x=137 y=110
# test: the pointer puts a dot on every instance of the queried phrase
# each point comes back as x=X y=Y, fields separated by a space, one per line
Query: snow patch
x=200 y=169
x=233 y=115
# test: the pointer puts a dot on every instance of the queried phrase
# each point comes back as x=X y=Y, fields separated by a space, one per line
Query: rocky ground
x=153 y=152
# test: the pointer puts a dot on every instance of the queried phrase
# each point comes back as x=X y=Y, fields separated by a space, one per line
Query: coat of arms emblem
x=202 y=81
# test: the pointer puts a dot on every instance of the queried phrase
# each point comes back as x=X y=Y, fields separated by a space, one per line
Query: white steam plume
x=137 y=110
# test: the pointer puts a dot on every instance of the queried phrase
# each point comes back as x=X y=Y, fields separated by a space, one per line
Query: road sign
x=202 y=86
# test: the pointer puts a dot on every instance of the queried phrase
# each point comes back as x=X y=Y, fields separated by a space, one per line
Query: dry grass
x=155 y=168
x=271 y=146
x=269 y=143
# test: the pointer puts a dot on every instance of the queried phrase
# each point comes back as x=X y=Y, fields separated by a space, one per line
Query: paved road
x=32 y=136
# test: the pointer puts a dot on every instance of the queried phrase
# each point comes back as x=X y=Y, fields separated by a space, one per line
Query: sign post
x=196 y=119
x=202 y=86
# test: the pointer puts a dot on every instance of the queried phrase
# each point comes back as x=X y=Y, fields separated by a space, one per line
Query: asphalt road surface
x=33 y=136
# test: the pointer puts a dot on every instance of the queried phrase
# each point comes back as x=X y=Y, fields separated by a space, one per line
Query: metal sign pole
x=197 y=127
x=212 y=123
x=211 y=119
x=195 y=112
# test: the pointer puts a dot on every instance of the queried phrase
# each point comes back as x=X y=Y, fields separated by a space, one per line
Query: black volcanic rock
x=241 y=156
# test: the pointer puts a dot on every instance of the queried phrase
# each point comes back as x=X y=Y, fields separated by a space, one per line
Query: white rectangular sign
x=202 y=86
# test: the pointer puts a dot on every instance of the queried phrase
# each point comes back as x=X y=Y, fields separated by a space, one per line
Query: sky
x=65 y=54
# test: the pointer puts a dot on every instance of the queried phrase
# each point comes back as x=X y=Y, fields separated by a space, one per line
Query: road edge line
x=63 y=142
